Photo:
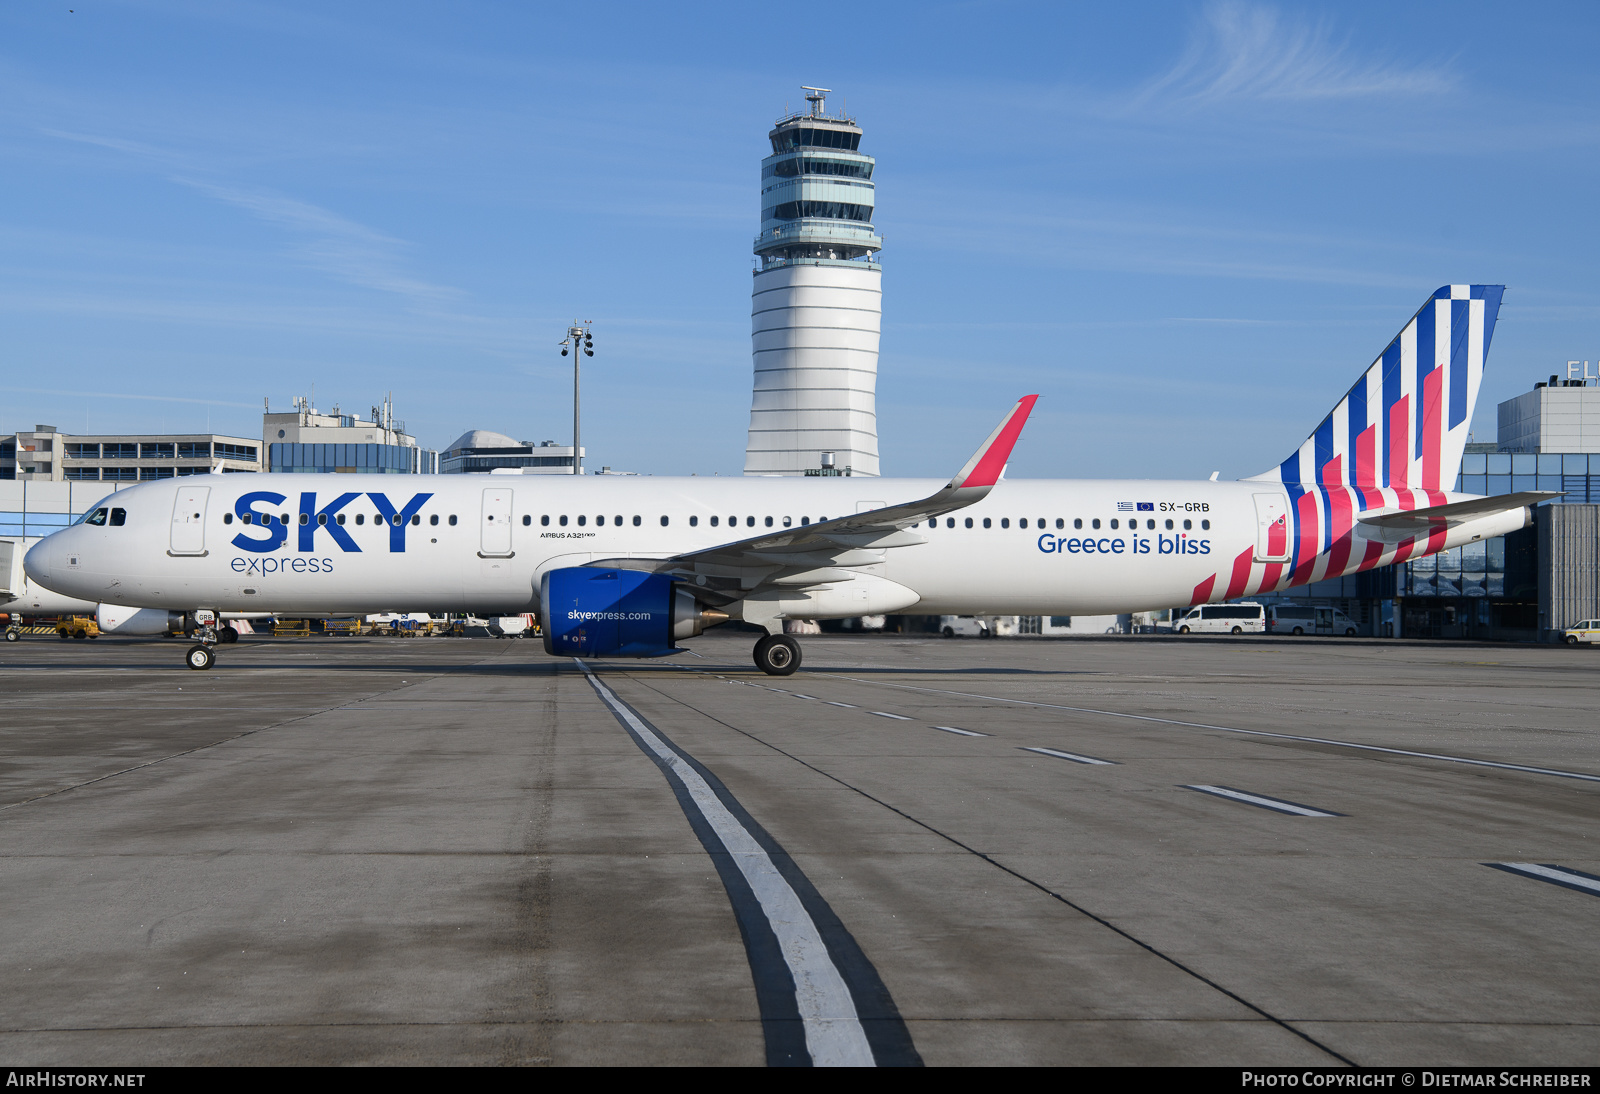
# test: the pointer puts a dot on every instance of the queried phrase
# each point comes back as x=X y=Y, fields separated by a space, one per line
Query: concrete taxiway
x=1120 y=850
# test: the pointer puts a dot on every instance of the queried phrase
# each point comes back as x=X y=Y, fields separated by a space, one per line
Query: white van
x=977 y=626
x=1223 y=618
x=1302 y=619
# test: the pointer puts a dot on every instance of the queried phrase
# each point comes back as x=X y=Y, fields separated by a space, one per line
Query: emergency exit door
x=1272 y=528
x=495 y=527
x=189 y=521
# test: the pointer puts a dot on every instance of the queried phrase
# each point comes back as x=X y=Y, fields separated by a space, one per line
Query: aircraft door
x=1272 y=528
x=495 y=527
x=189 y=521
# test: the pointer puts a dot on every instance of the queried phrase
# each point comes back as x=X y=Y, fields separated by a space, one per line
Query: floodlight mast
x=578 y=338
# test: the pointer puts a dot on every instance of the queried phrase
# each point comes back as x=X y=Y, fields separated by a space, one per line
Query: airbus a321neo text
x=631 y=567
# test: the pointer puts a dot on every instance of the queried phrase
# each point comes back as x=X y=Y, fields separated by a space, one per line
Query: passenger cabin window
x=986 y=522
x=227 y=518
x=617 y=520
x=663 y=522
x=119 y=517
x=322 y=519
x=582 y=520
x=637 y=520
x=769 y=522
x=545 y=520
x=804 y=521
x=1169 y=524
x=416 y=520
x=1205 y=526
x=527 y=519
x=361 y=518
x=1060 y=523
x=713 y=521
x=1113 y=523
x=1095 y=523
x=696 y=520
x=949 y=522
x=97 y=518
x=1005 y=522
x=434 y=519
x=1188 y=524
x=599 y=521
x=1077 y=522
x=340 y=519
x=969 y=522
x=453 y=519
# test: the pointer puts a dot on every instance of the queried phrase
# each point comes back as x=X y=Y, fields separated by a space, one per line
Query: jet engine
x=591 y=612
x=115 y=619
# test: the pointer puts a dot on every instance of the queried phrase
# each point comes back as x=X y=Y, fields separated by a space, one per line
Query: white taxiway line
x=886 y=714
x=1073 y=756
x=831 y=703
x=1234 y=729
x=1556 y=875
x=1277 y=805
x=962 y=732
x=834 y=1035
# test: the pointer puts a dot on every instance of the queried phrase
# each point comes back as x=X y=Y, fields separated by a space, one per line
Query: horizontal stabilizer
x=1417 y=521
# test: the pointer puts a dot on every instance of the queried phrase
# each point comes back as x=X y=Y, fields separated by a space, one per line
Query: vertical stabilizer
x=1404 y=424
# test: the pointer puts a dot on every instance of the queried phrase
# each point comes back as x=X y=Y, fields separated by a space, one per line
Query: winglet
x=983 y=470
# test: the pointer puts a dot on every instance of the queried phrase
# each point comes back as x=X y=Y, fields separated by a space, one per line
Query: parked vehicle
x=1224 y=619
x=77 y=626
x=1307 y=619
x=1586 y=631
x=977 y=626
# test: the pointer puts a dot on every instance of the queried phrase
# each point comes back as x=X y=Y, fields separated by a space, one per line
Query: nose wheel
x=200 y=656
x=777 y=655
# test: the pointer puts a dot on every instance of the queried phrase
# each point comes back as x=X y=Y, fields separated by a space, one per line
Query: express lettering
x=295 y=565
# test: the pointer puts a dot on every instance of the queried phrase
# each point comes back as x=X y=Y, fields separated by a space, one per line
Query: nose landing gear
x=777 y=655
x=200 y=655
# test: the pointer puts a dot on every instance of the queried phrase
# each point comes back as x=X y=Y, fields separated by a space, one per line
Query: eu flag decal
x=1147 y=507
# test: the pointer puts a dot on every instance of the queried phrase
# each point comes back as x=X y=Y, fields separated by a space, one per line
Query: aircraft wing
x=813 y=554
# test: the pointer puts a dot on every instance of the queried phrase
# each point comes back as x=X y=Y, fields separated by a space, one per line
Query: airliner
x=631 y=567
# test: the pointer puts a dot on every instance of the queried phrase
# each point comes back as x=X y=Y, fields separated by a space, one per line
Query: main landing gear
x=777 y=655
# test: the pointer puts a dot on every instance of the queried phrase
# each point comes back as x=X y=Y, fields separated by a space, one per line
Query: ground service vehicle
x=1586 y=631
x=1223 y=619
x=1308 y=619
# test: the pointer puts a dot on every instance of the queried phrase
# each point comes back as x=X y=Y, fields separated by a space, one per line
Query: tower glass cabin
x=816 y=303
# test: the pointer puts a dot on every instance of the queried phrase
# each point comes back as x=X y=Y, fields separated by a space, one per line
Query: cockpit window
x=119 y=517
x=98 y=517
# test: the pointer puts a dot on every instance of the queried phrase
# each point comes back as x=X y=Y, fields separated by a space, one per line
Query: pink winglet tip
x=993 y=459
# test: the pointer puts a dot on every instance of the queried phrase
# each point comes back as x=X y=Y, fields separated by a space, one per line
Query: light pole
x=577 y=338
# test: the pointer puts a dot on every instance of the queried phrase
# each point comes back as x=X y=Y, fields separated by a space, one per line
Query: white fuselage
x=480 y=543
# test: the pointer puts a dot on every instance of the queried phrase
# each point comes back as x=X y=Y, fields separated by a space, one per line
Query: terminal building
x=305 y=441
x=46 y=454
x=480 y=450
x=816 y=304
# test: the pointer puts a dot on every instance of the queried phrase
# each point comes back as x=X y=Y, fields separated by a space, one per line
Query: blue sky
x=1189 y=226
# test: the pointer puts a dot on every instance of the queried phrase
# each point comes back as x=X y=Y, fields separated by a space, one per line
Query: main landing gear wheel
x=227 y=634
x=777 y=655
x=200 y=657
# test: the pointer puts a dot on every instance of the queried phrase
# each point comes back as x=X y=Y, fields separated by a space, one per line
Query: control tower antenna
x=816 y=301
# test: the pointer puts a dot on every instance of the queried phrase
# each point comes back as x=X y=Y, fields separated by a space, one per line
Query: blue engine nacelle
x=590 y=612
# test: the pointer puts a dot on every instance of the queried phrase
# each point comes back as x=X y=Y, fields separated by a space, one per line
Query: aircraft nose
x=36 y=564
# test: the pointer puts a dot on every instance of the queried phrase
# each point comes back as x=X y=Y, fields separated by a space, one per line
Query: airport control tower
x=817 y=301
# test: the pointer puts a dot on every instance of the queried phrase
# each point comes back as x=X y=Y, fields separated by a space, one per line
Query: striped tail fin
x=1403 y=426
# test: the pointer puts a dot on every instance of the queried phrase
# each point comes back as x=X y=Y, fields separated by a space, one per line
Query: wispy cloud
x=350 y=251
x=125 y=395
x=1244 y=52
x=327 y=241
